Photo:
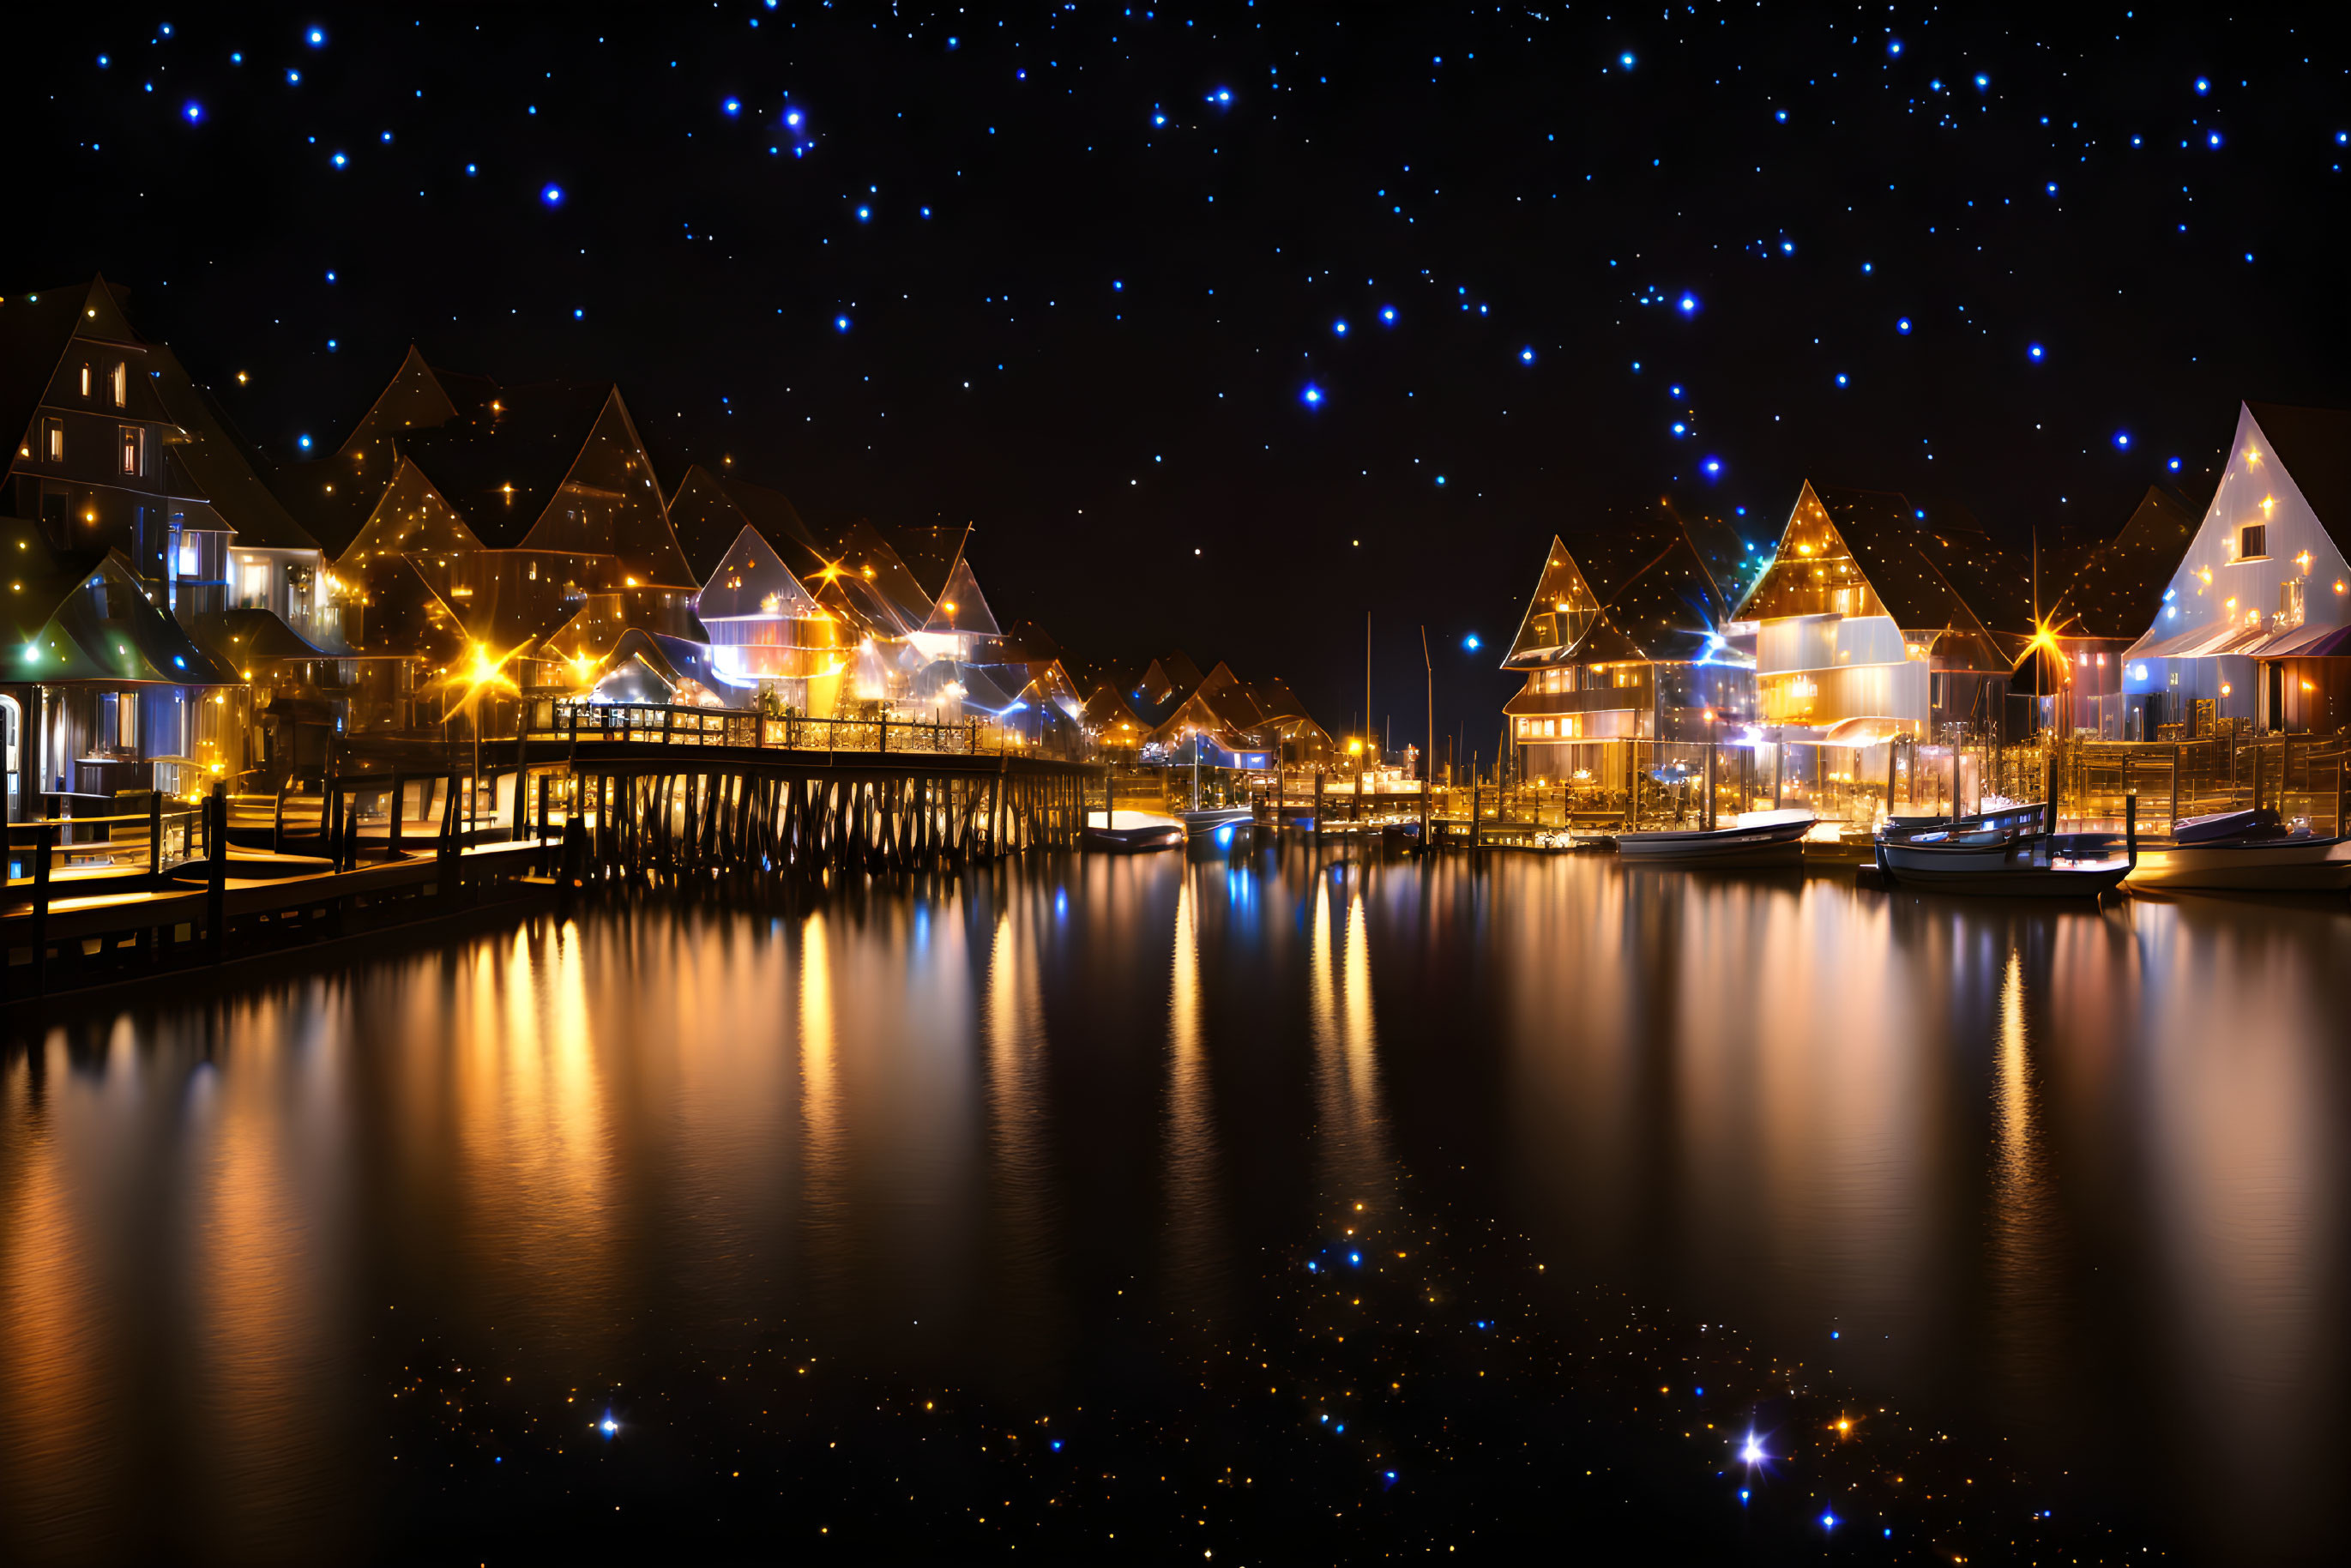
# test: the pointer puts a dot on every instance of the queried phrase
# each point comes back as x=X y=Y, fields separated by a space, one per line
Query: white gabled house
x=2257 y=617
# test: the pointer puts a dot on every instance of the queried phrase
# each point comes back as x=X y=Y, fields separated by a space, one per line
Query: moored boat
x=2245 y=851
x=1125 y=832
x=2005 y=858
x=1755 y=839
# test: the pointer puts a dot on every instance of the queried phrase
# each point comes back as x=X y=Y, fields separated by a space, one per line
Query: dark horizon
x=1160 y=296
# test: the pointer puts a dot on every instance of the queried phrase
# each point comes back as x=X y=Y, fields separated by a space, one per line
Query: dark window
x=2252 y=539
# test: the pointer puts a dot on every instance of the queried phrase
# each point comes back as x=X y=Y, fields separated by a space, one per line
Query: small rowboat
x=1756 y=839
x=2245 y=851
x=2003 y=858
x=1125 y=832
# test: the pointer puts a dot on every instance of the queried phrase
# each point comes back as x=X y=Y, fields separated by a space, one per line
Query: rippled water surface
x=297 y=1265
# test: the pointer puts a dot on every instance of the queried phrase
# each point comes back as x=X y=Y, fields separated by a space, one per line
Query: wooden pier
x=688 y=798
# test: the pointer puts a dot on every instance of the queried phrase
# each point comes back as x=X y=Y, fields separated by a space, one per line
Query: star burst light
x=552 y=195
x=1311 y=396
x=1689 y=304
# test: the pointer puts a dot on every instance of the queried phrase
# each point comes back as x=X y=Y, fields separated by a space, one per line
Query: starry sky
x=1227 y=324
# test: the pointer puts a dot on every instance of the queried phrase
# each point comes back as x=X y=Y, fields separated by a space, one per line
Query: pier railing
x=677 y=725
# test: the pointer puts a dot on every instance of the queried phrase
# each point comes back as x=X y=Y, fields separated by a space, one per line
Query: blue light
x=865 y=214
x=470 y=170
x=1689 y=303
x=2052 y=187
x=2122 y=439
x=2214 y=139
x=1440 y=479
x=2202 y=87
x=1680 y=429
x=793 y=119
x=1388 y=315
x=293 y=78
x=2175 y=465
x=1115 y=285
x=1742 y=1496
x=1701 y=1393
x=1781 y=117
x=303 y=442
x=1840 y=378
x=1935 y=85
x=1471 y=643
x=1338 y=328
x=104 y=62
x=1673 y=391
x=338 y=160
x=332 y=345
x=1222 y=97
x=1625 y=60
x=1712 y=467
x=552 y=195
x=236 y=58
x=1828 y=1521
x=387 y=138
x=1893 y=46
x=1057 y=1442
x=951 y=44
x=1903 y=326
x=1311 y=396
x=1527 y=355
x=1982 y=82
x=577 y=315
x=316 y=37
x=608 y=1427
x=1225 y=842
x=1356 y=1259
x=733 y=106
x=2034 y=351
x=194 y=110
x=181 y=662
x=330 y=275
x=840 y=323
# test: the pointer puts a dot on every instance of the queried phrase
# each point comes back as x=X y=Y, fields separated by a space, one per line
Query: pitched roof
x=961 y=607
x=2315 y=445
x=710 y=508
x=85 y=617
x=931 y=553
x=1668 y=611
x=35 y=329
x=752 y=579
x=2117 y=591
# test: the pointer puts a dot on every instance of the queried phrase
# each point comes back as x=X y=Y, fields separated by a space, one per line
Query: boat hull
x=2279 y=865
x=1130 y=832
x=2003 y=869
x=1734 y=848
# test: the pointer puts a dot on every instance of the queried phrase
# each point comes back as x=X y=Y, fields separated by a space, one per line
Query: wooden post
x=278 y=823
x=44 y=842
x=2176 y=751
x=155 y=836
x=1318 y=805
x=2257 y=777
x=216 y=883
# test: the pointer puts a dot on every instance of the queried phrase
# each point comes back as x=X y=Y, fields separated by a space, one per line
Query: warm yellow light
x=2225 y=689
x=947 y=605
x=2308 y=687
x=242 y=378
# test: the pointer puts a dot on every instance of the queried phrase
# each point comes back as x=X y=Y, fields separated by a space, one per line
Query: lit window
x=252 y=583
x=134 y=448
x=53 y=440
x=121 y=383
x=85 y=380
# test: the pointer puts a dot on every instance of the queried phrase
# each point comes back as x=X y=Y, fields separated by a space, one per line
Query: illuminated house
x=1859 y=630
x=530 y=513
x=1624 y=641
x=101 y=690
x=710 y=509
x=768 y=634
x=131 y=480
x=2257 y=617
x=882 y=607
x=2113 y=589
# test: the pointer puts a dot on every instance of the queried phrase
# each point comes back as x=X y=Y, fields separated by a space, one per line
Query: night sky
x=1179 y=304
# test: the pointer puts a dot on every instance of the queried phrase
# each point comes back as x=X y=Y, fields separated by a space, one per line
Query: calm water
x=356 y=1261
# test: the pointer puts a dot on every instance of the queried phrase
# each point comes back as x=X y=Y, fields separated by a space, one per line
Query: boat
x=2008 y=856
x=1125 y=832
x=1754 y=838
x=2245 y=851
x=1218 y=827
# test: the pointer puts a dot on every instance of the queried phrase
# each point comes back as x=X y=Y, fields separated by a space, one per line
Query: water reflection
x=2074 y=1177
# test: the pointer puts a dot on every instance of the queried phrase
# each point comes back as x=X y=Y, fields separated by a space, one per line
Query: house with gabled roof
x=2256 y=617
x=513 y=503
x=1859 y=630
x=121 y=461
x=769 y=637
x=2108 y=592
x=712 y=508
x=1624 y=641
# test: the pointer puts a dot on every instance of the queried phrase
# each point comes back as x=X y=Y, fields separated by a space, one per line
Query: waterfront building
x=711 y=508
x=132 y=485
x=1860 y=633
x=773 y=644
x=518 y=506
x=1626 y=641
x=2256 y=618
x=2112 y=590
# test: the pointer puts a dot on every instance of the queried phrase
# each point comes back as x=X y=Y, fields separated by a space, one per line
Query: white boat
x=2245 y=851
x=1754 y=838
x=1124 y=832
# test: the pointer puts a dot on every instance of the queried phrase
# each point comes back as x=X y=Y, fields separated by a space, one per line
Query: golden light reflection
x=1194 y=1219
x=1348 y=1122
